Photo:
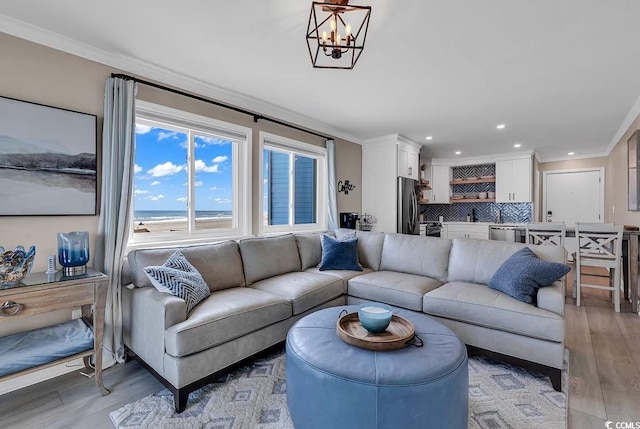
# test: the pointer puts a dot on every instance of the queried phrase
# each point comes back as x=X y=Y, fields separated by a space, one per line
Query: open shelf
x=474 y=200
x=463 y=182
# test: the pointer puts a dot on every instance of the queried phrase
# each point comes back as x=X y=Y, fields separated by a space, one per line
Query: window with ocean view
x=294 y=178
x=189 y=181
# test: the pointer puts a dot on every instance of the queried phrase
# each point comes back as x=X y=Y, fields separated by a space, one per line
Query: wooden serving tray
x=399 y=333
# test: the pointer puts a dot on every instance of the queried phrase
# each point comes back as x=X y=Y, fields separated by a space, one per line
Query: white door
x=573 y=196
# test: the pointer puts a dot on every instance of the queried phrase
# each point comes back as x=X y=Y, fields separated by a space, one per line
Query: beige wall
x=43 y=75
x=36 y=73
x=616 y=187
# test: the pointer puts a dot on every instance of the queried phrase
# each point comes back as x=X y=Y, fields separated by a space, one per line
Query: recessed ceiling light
x=517 y=145
x=428 y=138
x=458 y=152
x=571 y=153
x=500 y=126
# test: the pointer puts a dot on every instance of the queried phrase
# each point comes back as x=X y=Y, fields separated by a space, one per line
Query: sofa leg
x=180 y=398
x=556 y=379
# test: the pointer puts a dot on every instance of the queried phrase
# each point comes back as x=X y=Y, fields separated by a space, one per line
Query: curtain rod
x=256 y=117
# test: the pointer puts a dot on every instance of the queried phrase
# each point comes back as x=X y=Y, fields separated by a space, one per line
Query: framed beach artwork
x=47 y=160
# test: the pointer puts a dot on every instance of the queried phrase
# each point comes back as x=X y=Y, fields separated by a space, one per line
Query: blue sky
x=161 y=171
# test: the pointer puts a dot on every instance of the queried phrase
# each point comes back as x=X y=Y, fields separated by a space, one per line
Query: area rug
x=500 y=396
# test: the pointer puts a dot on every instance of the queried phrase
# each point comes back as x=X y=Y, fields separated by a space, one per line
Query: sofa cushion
x=225 y=315
x=476 y=261
x=478 y=305
x=341 y=274
x=369 y=246
x=414 y=254
x=339 y=254
x=179 y=278
x=305 y=290
x=266 y=257
x=310 y=249
x=219 y=264
x=399 y=289
x=524 y=273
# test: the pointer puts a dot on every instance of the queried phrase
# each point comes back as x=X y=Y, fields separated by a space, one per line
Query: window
x=294 y=177
x=191 y=176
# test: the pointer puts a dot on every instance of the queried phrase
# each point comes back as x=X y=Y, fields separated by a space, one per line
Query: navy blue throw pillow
x=339 y=254
x=524 y=273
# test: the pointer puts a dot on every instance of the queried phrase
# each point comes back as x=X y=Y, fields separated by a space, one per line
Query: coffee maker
x=348 y=220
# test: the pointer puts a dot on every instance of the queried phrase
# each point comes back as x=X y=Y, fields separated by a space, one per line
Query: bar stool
x=546 y=233
x=599 y=245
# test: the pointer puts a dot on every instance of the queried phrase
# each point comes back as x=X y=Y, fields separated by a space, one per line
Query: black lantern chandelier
x=332 y=41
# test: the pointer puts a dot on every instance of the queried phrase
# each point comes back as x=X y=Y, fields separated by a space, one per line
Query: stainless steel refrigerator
x=408 y=206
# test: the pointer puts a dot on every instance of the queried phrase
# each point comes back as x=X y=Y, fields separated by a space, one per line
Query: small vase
x=73 y=252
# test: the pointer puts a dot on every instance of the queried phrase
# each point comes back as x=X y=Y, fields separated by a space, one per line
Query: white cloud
x=213 y=188
x=212 y=140
x=222 y=200
x=265 y=181
x=199 y=183
x=166 y=134
x=182 y=199
x=166 y=169
x=140 y=192
x=201 y=166
x=154 y=197
x=143 y=129
x=155 y=183
x=220 y=158
x=136 y=169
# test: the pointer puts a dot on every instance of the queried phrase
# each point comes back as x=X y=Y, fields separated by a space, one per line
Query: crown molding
x=573 y=157
x=485 y=159
x=628 y=120
x=143 y=69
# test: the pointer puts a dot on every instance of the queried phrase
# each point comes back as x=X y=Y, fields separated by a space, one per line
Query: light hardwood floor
x=604 y=371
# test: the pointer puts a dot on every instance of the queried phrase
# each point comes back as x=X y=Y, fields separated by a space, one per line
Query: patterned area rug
x=500 y=396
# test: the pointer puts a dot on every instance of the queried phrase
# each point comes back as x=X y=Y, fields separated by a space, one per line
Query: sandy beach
x=180 y=225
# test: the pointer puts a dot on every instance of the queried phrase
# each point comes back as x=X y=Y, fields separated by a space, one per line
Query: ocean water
x=156 y=215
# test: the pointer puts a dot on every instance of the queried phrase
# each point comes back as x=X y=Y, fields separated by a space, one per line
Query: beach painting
x=47 y=160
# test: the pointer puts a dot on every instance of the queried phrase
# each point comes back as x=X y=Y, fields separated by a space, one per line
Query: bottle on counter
x=468 y=218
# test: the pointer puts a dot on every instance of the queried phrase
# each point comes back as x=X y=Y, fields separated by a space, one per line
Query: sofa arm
x=150 y=313
x=551 y=298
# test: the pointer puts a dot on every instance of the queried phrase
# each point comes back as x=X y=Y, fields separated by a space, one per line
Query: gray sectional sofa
x=261 y=286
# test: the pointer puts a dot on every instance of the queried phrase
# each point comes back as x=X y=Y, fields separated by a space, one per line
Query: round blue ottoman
x=331 y=384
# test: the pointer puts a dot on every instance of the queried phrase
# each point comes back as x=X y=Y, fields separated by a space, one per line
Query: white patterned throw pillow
x=179 y=278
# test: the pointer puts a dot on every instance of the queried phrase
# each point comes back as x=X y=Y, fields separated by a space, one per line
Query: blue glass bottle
x=73 y=252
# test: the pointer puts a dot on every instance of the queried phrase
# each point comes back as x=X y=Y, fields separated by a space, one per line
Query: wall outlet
x=76 y=313
x=613 y=210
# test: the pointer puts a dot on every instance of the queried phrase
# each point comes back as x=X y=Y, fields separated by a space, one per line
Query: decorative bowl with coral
x=15 y=265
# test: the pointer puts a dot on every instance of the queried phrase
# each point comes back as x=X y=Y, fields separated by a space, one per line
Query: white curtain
x=113 y=229
x=333 y=205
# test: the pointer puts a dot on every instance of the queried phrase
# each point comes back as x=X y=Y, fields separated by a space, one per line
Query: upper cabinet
x=513 y=181
x=408 y=154
x=440 y=177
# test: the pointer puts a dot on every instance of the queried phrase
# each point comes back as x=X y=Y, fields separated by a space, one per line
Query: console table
x=42 y=293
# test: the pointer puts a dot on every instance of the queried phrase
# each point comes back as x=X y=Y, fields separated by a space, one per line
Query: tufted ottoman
x=331 y=384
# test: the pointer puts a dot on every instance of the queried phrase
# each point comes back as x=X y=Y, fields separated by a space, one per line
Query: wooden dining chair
x=545 y=233
x=599 y=245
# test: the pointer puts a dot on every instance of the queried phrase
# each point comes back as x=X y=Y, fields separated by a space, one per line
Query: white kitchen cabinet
x=513 y=181
x=466 y=230
x=408 y=161
x=383 y=161
x=441 y=189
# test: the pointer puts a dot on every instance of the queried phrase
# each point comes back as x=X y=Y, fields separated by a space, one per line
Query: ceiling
x=564 y=76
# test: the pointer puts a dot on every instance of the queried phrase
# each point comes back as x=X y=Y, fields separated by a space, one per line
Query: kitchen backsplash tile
x=485 y=212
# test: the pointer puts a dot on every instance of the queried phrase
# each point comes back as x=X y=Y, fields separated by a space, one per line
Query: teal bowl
x=374 y=316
